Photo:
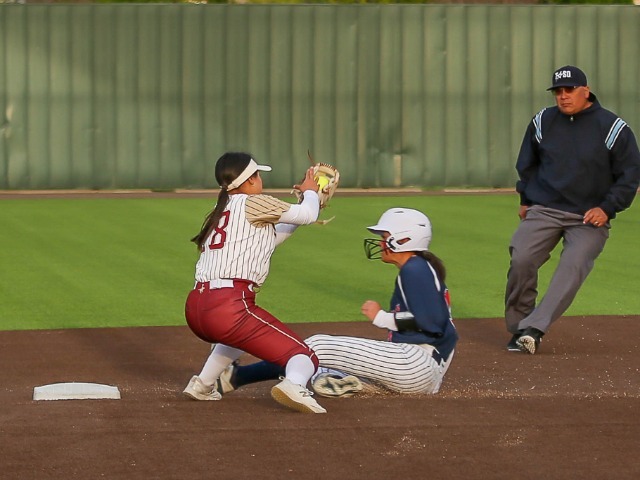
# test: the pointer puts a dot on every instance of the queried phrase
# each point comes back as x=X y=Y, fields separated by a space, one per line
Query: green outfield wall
x=148 y=96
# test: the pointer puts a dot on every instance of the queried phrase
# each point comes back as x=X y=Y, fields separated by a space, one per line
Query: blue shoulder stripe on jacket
x=614 y=132
x=537 y=122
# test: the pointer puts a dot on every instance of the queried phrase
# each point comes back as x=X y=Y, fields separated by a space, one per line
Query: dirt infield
x=569 y=412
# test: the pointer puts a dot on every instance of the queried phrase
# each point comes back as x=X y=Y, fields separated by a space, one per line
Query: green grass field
x=128 y=262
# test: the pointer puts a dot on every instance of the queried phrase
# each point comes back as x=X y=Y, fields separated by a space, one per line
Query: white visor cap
x=252 y=168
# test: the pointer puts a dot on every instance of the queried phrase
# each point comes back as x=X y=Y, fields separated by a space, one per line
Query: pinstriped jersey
x=242 y=243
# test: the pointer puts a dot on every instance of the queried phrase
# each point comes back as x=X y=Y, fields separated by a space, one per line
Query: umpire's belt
x=223 y=283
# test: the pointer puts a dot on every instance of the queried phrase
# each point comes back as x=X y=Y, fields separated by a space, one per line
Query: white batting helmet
x=409 y=230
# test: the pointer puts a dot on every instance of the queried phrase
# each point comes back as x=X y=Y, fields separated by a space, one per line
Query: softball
x=322 y=182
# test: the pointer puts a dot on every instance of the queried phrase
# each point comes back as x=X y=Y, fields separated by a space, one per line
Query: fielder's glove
x=327 y=177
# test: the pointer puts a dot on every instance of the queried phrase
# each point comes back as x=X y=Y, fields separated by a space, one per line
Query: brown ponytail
x=212 y=219
x=228 y=167
x=436 y=263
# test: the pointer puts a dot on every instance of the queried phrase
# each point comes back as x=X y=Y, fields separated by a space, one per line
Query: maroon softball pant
x=231 y=317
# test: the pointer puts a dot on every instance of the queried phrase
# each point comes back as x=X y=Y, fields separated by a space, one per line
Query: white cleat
x=295 y=397
x=327 y=385
x=199 y=391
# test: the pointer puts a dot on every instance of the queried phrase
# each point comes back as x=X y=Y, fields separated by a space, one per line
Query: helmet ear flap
x=391 y=242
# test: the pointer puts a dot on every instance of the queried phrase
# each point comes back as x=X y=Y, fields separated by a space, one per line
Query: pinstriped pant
x=399 y=367
x=531 y=246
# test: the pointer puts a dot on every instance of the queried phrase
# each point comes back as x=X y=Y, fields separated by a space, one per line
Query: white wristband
x=385 y=320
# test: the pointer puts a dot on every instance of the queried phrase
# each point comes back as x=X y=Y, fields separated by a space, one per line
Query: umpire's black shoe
x=513 y=346
x=529 y=340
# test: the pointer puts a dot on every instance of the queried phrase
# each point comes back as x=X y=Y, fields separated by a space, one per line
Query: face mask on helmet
x=373 y=248
x=409 y=231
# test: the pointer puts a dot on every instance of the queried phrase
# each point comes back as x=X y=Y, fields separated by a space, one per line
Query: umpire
x=578 y=166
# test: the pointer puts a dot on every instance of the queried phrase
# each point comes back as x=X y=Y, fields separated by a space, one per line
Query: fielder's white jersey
x=244 y=240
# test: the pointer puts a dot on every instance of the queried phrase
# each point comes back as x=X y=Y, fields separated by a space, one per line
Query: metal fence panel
x=148 y=96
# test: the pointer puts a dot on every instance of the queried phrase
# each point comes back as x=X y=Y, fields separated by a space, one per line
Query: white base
x=75 y=391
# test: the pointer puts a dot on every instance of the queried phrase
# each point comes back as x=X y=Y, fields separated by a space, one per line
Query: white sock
x=220 y=358
x=299 y=369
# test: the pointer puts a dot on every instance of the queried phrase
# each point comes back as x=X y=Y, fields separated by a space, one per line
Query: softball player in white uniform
x=422 y=336
x=236 y=242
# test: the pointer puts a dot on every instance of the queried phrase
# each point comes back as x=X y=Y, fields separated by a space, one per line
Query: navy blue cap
x=568 y=76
